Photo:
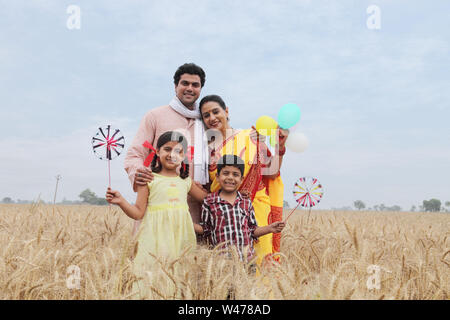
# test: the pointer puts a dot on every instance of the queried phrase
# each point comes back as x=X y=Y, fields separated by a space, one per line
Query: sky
x=375 y=102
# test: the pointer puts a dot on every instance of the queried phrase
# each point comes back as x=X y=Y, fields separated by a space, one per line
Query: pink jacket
x=155 y=122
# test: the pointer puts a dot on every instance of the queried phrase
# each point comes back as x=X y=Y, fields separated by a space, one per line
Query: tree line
x=432 y=205
x=86 y=197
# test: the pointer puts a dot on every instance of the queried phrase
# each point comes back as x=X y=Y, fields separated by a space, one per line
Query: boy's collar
x=217 y=198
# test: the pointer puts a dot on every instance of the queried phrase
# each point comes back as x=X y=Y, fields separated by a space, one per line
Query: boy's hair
x=162 y=140
x=232 y=161
x=189 y=68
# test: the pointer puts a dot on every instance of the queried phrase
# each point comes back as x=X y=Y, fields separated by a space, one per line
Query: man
x=182 y=115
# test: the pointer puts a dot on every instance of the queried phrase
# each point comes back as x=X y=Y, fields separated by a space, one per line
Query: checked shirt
x=231 y=224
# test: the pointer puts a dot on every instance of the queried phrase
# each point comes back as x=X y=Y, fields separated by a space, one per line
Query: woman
x=262 y=181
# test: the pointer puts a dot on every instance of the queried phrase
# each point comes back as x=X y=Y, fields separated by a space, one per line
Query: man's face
x=230 y=178
x=188 y=89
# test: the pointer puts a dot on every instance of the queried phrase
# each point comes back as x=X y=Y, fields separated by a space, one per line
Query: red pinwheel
x=108 y=144
x=307 y=192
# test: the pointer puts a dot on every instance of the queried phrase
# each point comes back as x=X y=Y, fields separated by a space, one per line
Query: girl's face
x=214 y=116
x=171 y=155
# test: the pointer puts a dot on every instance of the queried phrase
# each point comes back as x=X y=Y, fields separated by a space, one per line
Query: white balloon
x=297 y=142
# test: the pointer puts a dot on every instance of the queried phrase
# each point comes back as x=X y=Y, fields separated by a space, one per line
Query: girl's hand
x=277 y=226
x=113 y=196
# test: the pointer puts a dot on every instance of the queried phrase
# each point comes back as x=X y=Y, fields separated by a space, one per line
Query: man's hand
x=277 y=226
x=113 y=196
x=143 y=176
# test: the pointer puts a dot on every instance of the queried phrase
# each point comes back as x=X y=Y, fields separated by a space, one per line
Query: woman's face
x=214 y=116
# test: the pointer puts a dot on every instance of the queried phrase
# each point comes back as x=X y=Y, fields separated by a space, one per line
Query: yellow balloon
x=265 y=124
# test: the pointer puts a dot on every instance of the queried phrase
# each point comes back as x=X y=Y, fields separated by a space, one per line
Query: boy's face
x=229 y=178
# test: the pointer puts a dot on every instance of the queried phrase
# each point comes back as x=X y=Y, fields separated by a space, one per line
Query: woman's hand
x=255 y=136
x=114 y=196
x=143 y=176
x=282 y=137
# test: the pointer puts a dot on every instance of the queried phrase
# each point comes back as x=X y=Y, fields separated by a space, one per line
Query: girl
x=167 y=226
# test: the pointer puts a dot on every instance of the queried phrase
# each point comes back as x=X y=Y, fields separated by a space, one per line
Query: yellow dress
x=166 y=229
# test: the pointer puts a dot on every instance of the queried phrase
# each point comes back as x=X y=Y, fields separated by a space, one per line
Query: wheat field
x=83 y=252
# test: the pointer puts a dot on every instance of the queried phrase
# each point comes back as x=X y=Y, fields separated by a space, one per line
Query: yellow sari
x=266 y=194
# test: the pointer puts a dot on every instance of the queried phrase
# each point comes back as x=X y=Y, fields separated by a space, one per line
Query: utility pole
x=58 y=177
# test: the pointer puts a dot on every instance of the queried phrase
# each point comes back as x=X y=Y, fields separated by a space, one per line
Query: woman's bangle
x=281 y=152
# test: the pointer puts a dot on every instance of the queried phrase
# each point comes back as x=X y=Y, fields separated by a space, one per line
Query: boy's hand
x=277 y=226
x=143 y=176
x=113 y=196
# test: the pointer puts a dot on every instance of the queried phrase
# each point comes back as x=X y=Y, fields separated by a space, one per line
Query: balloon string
x=292 y=211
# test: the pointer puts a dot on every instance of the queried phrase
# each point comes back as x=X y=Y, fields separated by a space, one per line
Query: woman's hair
x=162 y=140
x=214 y=98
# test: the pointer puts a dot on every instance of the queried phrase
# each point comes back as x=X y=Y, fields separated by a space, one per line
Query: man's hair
x=189 y=68
x=232 y=161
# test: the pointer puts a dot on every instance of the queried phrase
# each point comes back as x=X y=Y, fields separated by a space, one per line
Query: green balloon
x=289 y=115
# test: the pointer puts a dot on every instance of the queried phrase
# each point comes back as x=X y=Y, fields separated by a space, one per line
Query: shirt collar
x=218 y=199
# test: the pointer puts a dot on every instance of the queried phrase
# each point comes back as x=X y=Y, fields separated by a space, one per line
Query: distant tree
x=447 y=204
x=413 y=208
x=285 y=204
x=433 y=205
x=100 y=202
x=7 y=200
x=358 y=204
x=395 y=208
x=87 y=196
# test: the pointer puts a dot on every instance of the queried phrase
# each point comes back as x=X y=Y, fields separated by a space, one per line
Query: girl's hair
x=162 y=140
x=214 y=98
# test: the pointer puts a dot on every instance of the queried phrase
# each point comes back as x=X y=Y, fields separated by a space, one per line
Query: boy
x=227 y=216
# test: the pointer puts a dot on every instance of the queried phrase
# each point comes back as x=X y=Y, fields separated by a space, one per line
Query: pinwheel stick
x=109 y=173
x=292 y=211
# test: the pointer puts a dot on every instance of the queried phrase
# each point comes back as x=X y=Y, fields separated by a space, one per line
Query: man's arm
x=137 y=153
